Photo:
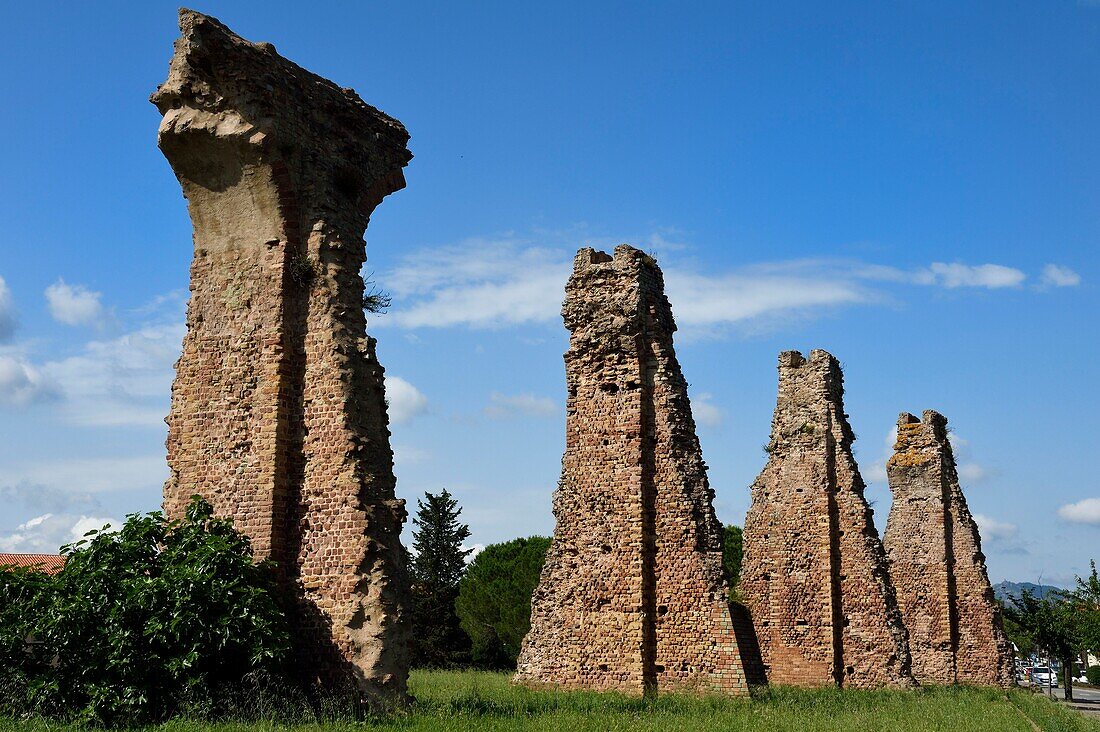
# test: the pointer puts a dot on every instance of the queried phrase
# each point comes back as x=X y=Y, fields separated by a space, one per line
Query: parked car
x=1042 y=676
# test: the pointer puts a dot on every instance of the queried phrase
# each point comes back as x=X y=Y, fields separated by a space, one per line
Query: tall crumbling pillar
x=815 y=576
x=632 y=597
x=278 y=414
x=936 y=562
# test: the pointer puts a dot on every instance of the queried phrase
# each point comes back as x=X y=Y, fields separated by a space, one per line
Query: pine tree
x=439 y=563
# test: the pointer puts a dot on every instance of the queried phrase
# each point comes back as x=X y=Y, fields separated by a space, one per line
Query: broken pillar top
x=625 y=257
x=811 y=397
x=606 y=294
x=920 y=440
x=245 y=94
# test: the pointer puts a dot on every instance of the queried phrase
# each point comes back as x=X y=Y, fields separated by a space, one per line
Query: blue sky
x=911 y=186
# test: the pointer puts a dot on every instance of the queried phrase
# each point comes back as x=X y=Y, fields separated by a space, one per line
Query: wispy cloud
x=81 y=477
x=121 y=381
x=989 y=276
x=993 y=530
x=1055 y=275
x=22 y=383
x=513 y=280
x=404 y=400
x=74 y=304
x=47 y=533
x=7 y=312
x=504 y=405
x=705 y=411
x=1085 y=511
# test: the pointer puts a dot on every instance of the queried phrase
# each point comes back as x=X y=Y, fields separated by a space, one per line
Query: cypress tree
x=439 y=562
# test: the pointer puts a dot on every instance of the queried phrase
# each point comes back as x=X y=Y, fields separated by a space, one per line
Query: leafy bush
x=732 y=554
x=494 y=598
x=1092 y=673
x=141 y=622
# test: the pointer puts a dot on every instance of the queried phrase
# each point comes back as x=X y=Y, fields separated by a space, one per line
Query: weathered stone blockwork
x=815 y=576
x=632 y=597
x=936 y=563
x=278 y=414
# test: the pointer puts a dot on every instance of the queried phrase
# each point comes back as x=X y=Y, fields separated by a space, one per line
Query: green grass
x=473 y=700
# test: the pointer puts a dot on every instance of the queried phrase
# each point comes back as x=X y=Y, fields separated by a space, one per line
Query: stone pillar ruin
x=278 y=414
x=632 y=597
x=815 y=576
x=936 y=563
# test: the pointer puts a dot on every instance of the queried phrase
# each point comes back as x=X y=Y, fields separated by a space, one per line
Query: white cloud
x=993 y=530
x=479 y=283
x=7 y=312
x=74 y=304
x=475 y=550
x=404 y=400
x=705 y=412
x=509 y=281
x=47 y=533
x=503 y=405
x=123 y=381
x=876 y=471
x=81 y=476
x=701 y=300
x=90 y=523
x=972 y=473
x=21 y=382
x=409 y=455
x=1086 y=511
x=991 y=276
x=1055 y=275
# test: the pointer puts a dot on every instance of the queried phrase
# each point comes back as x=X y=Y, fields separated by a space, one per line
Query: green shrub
x=732 y=554
x=1092 y=673
x=141 y=621
x=494 y=599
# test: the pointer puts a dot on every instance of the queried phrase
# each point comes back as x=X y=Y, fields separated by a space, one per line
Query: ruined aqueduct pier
x=815 y=575
x=632 y=597
x=936 y=563
x=278 y=415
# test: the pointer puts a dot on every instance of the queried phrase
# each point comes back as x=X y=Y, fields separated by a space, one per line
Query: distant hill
x=1006 y=590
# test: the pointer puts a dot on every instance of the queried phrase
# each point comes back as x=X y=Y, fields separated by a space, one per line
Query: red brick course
x=632 y=597
x=278 y=413
x=936 y=563
x=815 y=576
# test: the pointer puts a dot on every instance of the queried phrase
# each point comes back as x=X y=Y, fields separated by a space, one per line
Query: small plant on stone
x=375 y=299
x=301 y=270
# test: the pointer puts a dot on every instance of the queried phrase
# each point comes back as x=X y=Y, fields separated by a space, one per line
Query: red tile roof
x=48 y=563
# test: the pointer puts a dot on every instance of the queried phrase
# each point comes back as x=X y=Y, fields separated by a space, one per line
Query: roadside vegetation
x=450 y=701
x=1065 y=624
x=171 y=626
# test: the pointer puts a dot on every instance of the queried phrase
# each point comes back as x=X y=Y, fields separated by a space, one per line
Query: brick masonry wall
x=815 y=577
x=632 y=597
x=936 y=563
x=278 y=413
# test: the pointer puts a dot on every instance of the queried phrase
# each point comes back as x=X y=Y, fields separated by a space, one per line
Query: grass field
x=473 y=700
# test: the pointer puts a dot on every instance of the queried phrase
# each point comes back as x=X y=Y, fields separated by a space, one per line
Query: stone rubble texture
x=278 y=414
x=632 y=597
x=936 y=563
x=815 y=576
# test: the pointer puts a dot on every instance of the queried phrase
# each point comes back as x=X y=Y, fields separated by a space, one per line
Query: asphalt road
x=1080 y=693
x=1085 y=699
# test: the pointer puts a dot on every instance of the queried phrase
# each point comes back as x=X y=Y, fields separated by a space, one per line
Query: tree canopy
x=494 y=599
x=438 y=564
